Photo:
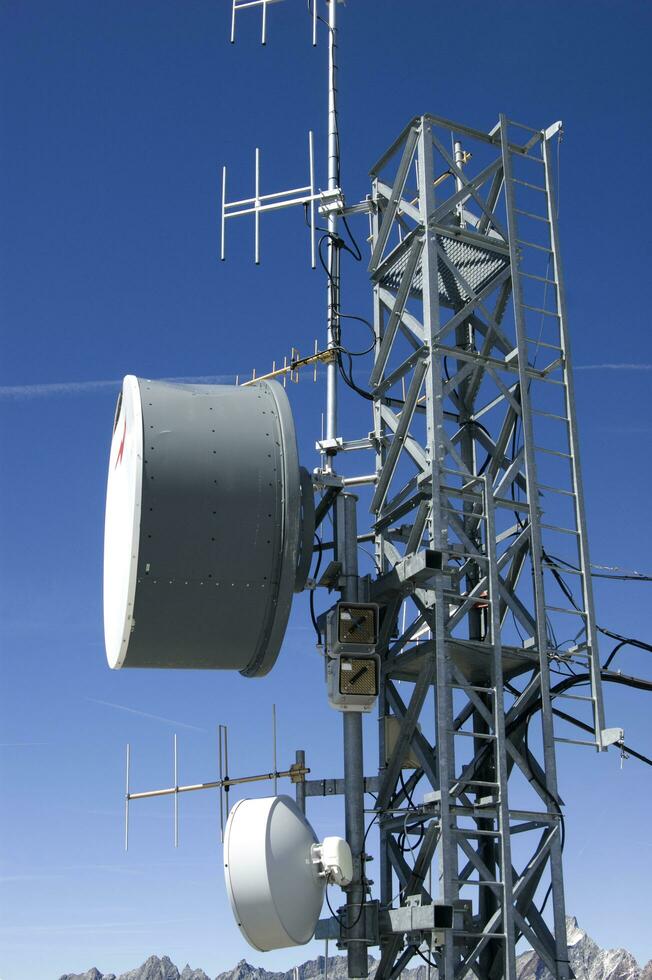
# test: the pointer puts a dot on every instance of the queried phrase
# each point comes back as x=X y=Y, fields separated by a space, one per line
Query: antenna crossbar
x=293 y=772
x=244 y=4
x=259 y=203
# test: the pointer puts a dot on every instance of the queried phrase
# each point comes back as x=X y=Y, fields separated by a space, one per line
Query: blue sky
x=116 y=119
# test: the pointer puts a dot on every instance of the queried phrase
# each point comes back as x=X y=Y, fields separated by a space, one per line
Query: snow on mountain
x=588 y=961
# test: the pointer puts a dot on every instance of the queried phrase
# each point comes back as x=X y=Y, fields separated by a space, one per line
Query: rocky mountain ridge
x=588 y=960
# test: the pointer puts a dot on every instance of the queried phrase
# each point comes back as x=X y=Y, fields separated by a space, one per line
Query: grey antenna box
x=209 y=525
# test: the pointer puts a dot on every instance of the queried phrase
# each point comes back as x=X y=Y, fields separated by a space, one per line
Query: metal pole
x=459 y=160
x=300 y=759
x=274 y=749
x=333 y=251
x=347 y=554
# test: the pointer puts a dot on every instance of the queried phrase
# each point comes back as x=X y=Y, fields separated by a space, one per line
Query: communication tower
x=476 y=516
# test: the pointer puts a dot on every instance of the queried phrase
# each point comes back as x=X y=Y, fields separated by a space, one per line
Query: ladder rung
x=543 y=343
x=562 y=568
x=564 y=493
x=526 y=156
x=574 y=697
x=482 y=735
x=528 y=214
x=542 y=248
x=465 y=554
x=569 y=612
x=548 y=415
x=538 y=309
x=479 y=514
x=480 y=782
x=530 y=275
x=528 y=129
x=512 y=504
x=462 y=832
x=526 y=183
x=561 y=530
x=552 y=452
x=575 y=741
x=483 y=884
x=474 y=687
x=546 y=380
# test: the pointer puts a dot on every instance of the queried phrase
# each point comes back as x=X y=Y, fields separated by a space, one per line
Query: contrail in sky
x=613 y=367
x=55 y=389
x=145 y=714
x=84 y=387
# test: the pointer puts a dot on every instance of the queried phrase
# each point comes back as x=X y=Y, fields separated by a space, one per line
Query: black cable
x=312 y=591
x=368 y=350
x=568 y=682
x=639 y=644
x=362 y=904
x=622 y=640
x=555 y=803
x=622 y=578
x=615 y=678
x=358 y=254
x=426 y=959
x=348 y=379
x=406 y=791
x=587 y=728
x=333 y=912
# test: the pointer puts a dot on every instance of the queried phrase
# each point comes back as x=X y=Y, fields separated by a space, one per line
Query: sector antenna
x=460 y=471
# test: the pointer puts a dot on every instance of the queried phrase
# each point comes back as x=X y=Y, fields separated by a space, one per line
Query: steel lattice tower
x=477 y=509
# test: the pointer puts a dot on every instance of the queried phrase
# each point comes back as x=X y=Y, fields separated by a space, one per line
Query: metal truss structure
x=478 y=518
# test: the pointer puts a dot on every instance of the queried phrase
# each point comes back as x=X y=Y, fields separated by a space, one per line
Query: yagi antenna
x=242 y=4
x=260 y=203
x=296 y=773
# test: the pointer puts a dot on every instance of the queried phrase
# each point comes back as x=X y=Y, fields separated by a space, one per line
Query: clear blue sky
x=116 y=118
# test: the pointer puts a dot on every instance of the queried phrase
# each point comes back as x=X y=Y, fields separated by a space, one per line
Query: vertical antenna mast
x=333 y=284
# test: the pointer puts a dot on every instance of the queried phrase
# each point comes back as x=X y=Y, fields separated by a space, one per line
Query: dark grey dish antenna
x=209 y=526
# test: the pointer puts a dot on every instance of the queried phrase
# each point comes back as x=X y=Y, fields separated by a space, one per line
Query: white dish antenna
x=276 y=871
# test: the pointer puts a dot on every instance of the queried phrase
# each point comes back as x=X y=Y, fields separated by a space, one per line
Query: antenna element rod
x=274 y=746
x=176 y=794
x=127 y=799
x=257 y=208
x=222 y=242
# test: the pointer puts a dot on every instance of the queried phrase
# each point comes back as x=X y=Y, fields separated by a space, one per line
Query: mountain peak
x=574 y=934
x=588 y=961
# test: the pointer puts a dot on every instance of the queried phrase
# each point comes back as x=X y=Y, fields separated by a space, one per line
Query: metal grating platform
x=477 y=265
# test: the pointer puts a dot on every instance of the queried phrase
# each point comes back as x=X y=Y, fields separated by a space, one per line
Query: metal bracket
x=332 y=202
x=612 y=736
x=330 y=447
x=551 y=131
x=332 y=928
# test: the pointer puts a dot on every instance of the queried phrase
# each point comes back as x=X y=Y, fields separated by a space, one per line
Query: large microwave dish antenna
x=273 y=882
x=206 y=523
